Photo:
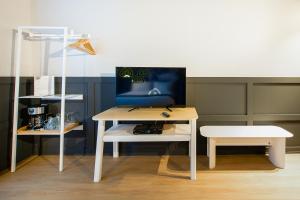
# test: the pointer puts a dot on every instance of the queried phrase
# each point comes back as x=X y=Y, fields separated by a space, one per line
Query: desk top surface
x=244 y=131
x=144 y=114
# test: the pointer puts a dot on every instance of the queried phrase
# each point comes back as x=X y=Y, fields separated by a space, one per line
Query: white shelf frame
x=38 y=37
x=54 y=97
x=22 y=33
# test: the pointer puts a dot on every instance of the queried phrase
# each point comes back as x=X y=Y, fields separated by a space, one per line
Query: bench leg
x=277 y=152
x=193 y=150
x=212 y=153
x=207 y=147
x=190 y=146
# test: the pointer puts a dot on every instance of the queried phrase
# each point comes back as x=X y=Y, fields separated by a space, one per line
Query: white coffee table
x=271 y=136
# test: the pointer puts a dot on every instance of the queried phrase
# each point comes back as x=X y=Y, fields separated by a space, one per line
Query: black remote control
x=165 y=114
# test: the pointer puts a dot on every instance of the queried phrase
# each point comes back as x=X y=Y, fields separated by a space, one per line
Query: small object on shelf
x=44 y=86
x=53 y=123
x=71 y=117
x=165 y=114
x=153 y=128
x=84 y=45
x=37 y=116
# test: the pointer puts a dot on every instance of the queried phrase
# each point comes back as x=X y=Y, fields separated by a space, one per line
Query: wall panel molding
x=219 y=101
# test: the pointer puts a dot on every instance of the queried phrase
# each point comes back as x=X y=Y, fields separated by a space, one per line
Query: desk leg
x=277 y=152
x=193 y=150
x=99 y=151
x=190 y=146
x=207 y=147
x=212 y=152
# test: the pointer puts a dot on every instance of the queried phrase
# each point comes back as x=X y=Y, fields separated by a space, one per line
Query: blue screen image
x=150 y=86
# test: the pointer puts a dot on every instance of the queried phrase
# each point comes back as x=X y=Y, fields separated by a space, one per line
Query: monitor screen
x=150 y=86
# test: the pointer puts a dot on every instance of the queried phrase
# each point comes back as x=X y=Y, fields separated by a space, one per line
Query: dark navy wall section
x=229 y=101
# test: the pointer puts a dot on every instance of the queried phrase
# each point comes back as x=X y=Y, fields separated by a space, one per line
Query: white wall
x=12 y=14
x=209 y=37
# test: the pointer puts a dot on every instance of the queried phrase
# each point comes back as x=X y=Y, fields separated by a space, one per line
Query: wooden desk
x=123 y=132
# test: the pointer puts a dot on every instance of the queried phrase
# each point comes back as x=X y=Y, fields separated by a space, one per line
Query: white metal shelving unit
x=42 y=33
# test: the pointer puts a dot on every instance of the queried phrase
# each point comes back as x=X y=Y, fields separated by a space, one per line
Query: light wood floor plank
x=235 y=177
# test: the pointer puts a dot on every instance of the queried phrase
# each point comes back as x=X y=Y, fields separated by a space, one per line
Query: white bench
x=271 y=136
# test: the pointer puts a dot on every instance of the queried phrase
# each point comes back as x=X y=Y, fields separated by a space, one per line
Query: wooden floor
x=236 y=177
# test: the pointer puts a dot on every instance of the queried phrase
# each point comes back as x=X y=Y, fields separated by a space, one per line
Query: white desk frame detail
x=122 y=133
x=272 y=136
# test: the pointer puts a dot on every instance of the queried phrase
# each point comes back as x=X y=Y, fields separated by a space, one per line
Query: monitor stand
x=169 y=108
x=134 y=108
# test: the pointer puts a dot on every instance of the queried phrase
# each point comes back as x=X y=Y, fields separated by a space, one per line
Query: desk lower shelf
x=171 y=132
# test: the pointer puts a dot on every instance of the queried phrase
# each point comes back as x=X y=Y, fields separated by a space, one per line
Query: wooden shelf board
x=69 y=127
x=171 y=132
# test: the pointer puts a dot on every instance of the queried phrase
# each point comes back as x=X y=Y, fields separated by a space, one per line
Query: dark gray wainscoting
x=25 y=145
x=229 y=101
x=248 y=101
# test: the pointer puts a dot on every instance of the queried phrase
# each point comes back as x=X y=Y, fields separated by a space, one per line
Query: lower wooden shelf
x=68 y=127
x=171 y=132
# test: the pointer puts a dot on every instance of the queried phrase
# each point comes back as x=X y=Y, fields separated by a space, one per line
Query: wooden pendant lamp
x=83 y=45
